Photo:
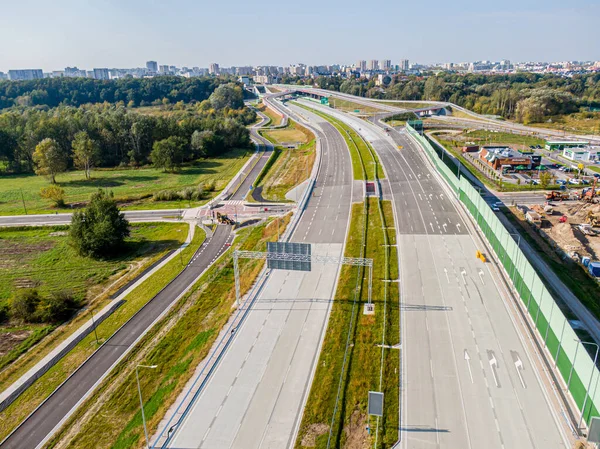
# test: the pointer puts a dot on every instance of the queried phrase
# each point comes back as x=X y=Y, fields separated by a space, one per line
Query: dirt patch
x=10 y=340
x=311 y=434
x=11 y=248
x=58 y=234
x=356 y=432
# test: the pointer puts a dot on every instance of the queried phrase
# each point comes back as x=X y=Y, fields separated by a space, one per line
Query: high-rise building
x=3 y=76
x=152 y=66
x=101 y=74
x=385 y=64
x=26 y=74
x=163 y=69
x=373 y=64
x=361 y=66
x=404 y=65
x=213 y=69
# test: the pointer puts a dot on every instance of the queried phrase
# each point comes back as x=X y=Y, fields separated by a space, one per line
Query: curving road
x=42 y=423
x=255 y=397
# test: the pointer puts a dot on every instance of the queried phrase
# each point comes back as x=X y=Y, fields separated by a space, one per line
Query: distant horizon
x=117 y=34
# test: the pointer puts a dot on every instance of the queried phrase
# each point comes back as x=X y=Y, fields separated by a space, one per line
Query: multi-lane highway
x=255 y=397
x=467 y=375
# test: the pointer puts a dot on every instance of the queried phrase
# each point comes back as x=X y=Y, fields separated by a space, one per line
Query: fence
x=574 y=364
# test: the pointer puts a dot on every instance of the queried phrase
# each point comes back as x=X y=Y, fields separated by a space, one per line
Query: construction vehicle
x=593 y=219
x=224 y=219
x=557 y=196
x=590 y=193
x=563 y=219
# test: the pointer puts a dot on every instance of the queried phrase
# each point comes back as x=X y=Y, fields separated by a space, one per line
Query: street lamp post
x=137 y=377
x=590 y=382
x=94 y=325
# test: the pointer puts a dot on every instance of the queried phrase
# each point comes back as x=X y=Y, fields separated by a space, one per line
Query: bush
x=56 y=308
x=24 y=304
x=209 y=186
x=166 y=195
x=187 y=193
x=55 y=194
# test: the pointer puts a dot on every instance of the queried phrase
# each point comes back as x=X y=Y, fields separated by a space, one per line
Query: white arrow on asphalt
x=420 y=199
x=444 y=226
x=463 y=273
x=431 y=224
x=446 y=271
x=481 y=276
x=468 y=360
x=458 y=226
x=519 y=367
x=493 y=365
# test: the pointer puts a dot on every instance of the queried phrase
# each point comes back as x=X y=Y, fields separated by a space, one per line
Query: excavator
x=224 y=219
x=590 y=194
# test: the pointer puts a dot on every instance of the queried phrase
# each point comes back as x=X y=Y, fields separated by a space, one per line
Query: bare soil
x=10 y=340
x=312 y=432
x=357 y=436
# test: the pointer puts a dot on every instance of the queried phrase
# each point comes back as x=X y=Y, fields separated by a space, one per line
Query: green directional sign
x=325 y=100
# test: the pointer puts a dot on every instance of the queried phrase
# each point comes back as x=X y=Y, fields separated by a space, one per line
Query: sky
x=52 y=35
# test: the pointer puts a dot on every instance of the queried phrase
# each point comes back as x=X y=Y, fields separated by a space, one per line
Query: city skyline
x=185 y=33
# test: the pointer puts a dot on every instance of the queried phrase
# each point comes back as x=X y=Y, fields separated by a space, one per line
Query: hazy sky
x=53 y=34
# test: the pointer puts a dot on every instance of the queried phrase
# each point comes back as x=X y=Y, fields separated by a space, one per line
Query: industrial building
x=505 y=158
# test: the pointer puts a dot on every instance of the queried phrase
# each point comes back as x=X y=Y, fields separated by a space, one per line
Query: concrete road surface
x=256 y=395
x=468 y=380
x=62 y=219
x=56 y=409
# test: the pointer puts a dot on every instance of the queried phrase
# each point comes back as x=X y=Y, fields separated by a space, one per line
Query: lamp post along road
x=137 y=377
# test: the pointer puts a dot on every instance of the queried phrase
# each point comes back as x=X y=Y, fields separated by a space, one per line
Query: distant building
x=265 y=79
x=361 y=66
x=26 y=74
x=74 y=72
x=577 y=154
x=164 y=70
x=213 y=69
x=373 y=64
x=152 y=66
x=404 y=65
x=244 y=79
x=3 y=76
x=385 y=64
x=101 y=74
x=505 y=158
x=58 y=74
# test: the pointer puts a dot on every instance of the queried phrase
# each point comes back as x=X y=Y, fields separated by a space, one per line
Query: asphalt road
x=256 y=395
x=61 y=219
x=52 y=413
x=467 y=376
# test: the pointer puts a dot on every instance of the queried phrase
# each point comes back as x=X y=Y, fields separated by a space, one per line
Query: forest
x=525 y=97
x=121 y=136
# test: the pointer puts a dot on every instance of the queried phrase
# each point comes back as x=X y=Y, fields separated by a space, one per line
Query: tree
x=49 y=159
x=100 y=229
x=203 y=143
x=85 y=152
x=545 y=179
x=168 y=153
x=54 y=193
x=23 y=305
x=227 y=96
x=56 y=308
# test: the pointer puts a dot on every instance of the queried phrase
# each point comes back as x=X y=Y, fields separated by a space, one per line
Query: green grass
x=363 y=369
x=177 y=345
x=133 y=187
x=32 y=397
x=594 y=168
x=579 y=122
x=482 y=137
x=42 y=257
x=365 y=162
x=350 y=106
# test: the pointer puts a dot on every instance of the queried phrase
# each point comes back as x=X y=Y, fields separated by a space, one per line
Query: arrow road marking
x=518 y=366
x=444 y=226
x=431 y=224
x=493 y=365
x=463 y=273
x=481 y=276
x=468 y=360
x=447 y=277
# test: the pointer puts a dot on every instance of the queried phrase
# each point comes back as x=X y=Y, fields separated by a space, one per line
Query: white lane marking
x=468 y=360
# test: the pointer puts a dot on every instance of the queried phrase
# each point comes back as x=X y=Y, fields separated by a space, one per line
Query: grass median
x=47 y=383
x=111 y=417
x=363 y=370
x=365 y=162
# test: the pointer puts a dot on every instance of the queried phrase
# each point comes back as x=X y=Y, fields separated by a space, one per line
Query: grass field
x=406 y=104
x=583 y=123
x=42 y=258
x=275 y=119
x=350 y=106
x=363 y=368
x=132 y=187
x=594 y=168
x=111 y=417
x=289 y=167
x=365 y=163
x=32 y=397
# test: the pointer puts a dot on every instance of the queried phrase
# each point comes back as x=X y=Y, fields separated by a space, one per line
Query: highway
x=62 y=219
x=467 y=376
x=42 y=423
x=255 y=397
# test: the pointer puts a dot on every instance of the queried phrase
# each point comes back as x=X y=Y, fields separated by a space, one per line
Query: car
x=597 y=175
x=561 y=182
x=495 y=208
x=574 y=181
x=498 y=204
x=538 y=147
x=531 y=147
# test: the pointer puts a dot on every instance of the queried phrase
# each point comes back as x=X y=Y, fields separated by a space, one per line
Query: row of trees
x=53 y=141
x=53 y=92
x=526 y=97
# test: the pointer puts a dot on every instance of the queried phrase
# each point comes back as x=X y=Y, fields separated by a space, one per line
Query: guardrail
x=576 y=367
